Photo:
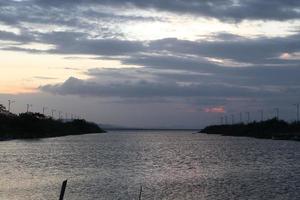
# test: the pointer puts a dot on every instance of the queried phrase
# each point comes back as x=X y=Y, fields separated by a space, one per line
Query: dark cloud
x=219 y=86
x=71 y=15
x=260 y=50
x=74 y=43
x=33 y=19
x=77 y=16
x=160 y=82
x=170 y=62
x=235 y=10
x=192 y=69
x=74 y=86
x=21 y=49
x=20 y=38
x=82 y=13
x=118 y=17
x=108 y=47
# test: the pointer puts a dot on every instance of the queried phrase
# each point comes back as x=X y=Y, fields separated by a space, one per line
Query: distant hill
x=273 y=129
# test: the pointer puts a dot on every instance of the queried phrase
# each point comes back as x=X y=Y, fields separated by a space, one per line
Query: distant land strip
x=35 y=125
x=269 y=129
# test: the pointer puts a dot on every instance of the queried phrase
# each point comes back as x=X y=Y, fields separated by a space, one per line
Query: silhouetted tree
x=36 y=125
x=273 y=128
x=2 y=108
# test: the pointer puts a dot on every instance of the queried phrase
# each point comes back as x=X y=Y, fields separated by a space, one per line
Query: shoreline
x=39 y=138
x=270 y=129
x=286 y=138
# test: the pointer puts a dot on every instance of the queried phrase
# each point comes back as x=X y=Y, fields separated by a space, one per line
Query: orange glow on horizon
x=13 y=89
x=218 y=109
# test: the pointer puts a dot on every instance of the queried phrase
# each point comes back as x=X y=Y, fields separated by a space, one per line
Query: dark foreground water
x=169 y=165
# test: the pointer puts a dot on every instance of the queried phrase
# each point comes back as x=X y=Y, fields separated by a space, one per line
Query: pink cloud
x=217 y=109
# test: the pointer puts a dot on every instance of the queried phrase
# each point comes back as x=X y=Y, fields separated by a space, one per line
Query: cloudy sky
x=151 y=63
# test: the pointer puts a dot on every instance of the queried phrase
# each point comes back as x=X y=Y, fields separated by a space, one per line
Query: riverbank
x=269 y=129
x=36 y=125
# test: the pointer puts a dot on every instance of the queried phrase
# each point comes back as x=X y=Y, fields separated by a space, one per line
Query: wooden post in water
x=140 y=195
x=62 y=191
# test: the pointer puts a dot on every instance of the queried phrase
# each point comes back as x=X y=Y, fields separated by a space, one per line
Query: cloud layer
x=213 y=73
x=220 y=9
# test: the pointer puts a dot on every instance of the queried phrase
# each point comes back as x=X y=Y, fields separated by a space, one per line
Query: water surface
x=169 y=165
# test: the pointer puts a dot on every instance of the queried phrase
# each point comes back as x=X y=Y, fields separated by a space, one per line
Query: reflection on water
x=169 y=165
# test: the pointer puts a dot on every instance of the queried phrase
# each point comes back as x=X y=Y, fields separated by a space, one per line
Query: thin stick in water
x=141 y=190
x=63 y=188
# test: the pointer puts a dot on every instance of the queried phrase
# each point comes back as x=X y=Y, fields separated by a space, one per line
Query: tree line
x=273 y=128
x=31 y=125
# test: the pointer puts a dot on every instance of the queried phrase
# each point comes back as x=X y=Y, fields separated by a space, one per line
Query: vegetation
x=273 y=129
x=35 y=125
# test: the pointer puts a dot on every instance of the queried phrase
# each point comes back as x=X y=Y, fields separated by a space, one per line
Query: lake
x=168 y=165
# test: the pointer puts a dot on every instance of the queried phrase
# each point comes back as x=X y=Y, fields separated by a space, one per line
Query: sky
x=167 y=64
